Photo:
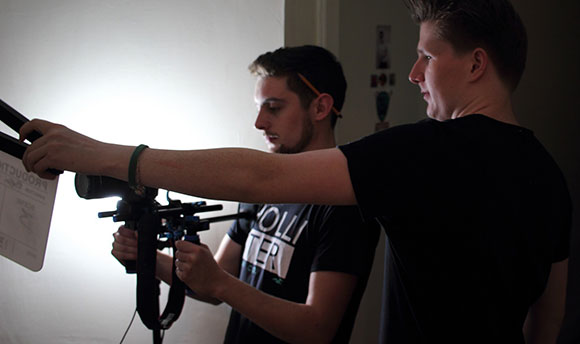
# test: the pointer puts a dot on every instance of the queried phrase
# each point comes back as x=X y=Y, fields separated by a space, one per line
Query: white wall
x=170 y=74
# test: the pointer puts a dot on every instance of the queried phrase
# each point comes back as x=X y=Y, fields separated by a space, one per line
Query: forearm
x=290 y=321
x=226 y=174
x=240 y=174
x=250 y=176
x=163 y=267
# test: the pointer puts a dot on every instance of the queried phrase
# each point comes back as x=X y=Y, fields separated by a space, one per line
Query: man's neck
x=321 y=141
x=496 y=105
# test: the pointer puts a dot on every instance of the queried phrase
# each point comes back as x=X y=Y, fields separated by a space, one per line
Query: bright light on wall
x=170 y=74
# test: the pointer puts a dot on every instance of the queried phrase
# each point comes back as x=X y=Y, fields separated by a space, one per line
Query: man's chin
x=435 y=116
x=272 y=148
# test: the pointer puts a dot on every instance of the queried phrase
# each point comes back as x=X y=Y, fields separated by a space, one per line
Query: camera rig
x=159 y=226
x=142 y=213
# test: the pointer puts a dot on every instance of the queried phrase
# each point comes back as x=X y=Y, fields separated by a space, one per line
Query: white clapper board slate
x=26 y=203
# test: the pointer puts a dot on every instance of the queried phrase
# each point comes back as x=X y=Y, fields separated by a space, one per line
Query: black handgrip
x=130 y=265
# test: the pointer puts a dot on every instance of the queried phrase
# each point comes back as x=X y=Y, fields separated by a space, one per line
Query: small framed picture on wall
x=383 y=46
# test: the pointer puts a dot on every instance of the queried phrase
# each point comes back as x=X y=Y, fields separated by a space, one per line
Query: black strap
x=175 y=299
x=148 y=285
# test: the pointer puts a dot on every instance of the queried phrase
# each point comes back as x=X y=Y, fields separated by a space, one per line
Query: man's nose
x=416 y=74
x=261 y=122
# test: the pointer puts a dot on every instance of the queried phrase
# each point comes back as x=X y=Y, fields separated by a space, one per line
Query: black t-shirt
x=475 y=212
x=286 y=243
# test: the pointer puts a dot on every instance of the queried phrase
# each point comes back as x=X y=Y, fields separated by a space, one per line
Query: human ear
x=323 y=106
x=479 y=61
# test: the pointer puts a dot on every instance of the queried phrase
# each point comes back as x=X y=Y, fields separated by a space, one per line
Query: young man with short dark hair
x=297 y=271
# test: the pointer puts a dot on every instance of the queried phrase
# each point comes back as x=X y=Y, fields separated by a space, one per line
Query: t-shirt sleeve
x=345 y=243
x=239 y=230
x=389 y=170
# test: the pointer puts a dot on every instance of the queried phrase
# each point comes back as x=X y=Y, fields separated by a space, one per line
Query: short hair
x=318 y=65
x=493 y=25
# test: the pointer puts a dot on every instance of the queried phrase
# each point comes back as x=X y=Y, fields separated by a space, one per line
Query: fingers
x=126 y=236
x=186 y=246
x=197 y=268
x=36 y=158
x=127 y=232
x=125 y=244
x=182 y=272
x=188 y=254
x=124 y=252
x=182 y=266
x=33 y=125
x=58 y=148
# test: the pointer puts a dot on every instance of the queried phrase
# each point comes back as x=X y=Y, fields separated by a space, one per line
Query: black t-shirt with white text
x=286 y=242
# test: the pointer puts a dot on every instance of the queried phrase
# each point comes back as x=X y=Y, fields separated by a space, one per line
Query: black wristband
x=132 y=179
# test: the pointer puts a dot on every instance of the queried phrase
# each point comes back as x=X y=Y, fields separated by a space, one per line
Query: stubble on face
x=305 y=139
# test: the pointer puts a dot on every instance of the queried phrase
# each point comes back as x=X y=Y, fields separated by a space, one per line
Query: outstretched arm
x=252 y=176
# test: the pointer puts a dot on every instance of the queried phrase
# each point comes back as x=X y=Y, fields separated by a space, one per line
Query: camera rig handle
x=178 y=222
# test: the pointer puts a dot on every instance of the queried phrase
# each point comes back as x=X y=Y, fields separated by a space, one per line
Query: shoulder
x=398 y=137
x=340 y=219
